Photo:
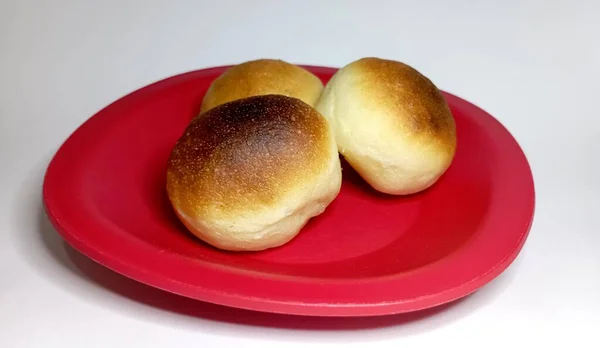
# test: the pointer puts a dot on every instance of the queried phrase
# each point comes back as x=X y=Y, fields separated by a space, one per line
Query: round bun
x=249 y=174
x=391 y=124
x=260 y=77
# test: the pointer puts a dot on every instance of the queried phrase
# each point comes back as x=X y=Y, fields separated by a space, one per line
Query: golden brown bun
x=249 y=174
x=391 y=124
x=260 y=77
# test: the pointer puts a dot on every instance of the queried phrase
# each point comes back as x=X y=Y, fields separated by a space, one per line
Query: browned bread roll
x=260 y=77
x=250 y=173
x=391 y=124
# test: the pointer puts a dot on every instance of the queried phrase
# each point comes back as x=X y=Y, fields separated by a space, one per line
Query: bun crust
x=260 y=77
x=392 y=124
x=248 y=174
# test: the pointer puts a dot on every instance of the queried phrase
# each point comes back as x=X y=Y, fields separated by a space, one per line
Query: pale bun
x=260 y=77
x=391 y=124
x=249 y=174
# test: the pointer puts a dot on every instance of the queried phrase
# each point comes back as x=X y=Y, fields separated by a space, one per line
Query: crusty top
x=418 y=107
x=246 y=154
x=263 y=76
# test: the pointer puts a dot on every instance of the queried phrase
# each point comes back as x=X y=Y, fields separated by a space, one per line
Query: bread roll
x=391 y=124
x=260 y=77
x=250 y=173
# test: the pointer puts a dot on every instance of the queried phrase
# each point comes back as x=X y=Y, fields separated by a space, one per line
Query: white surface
x=535 y=65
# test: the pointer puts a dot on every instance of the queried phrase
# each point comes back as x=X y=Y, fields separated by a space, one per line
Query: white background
x=535 y=65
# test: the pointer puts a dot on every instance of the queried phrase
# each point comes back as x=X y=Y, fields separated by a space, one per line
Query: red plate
x=368 y=254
